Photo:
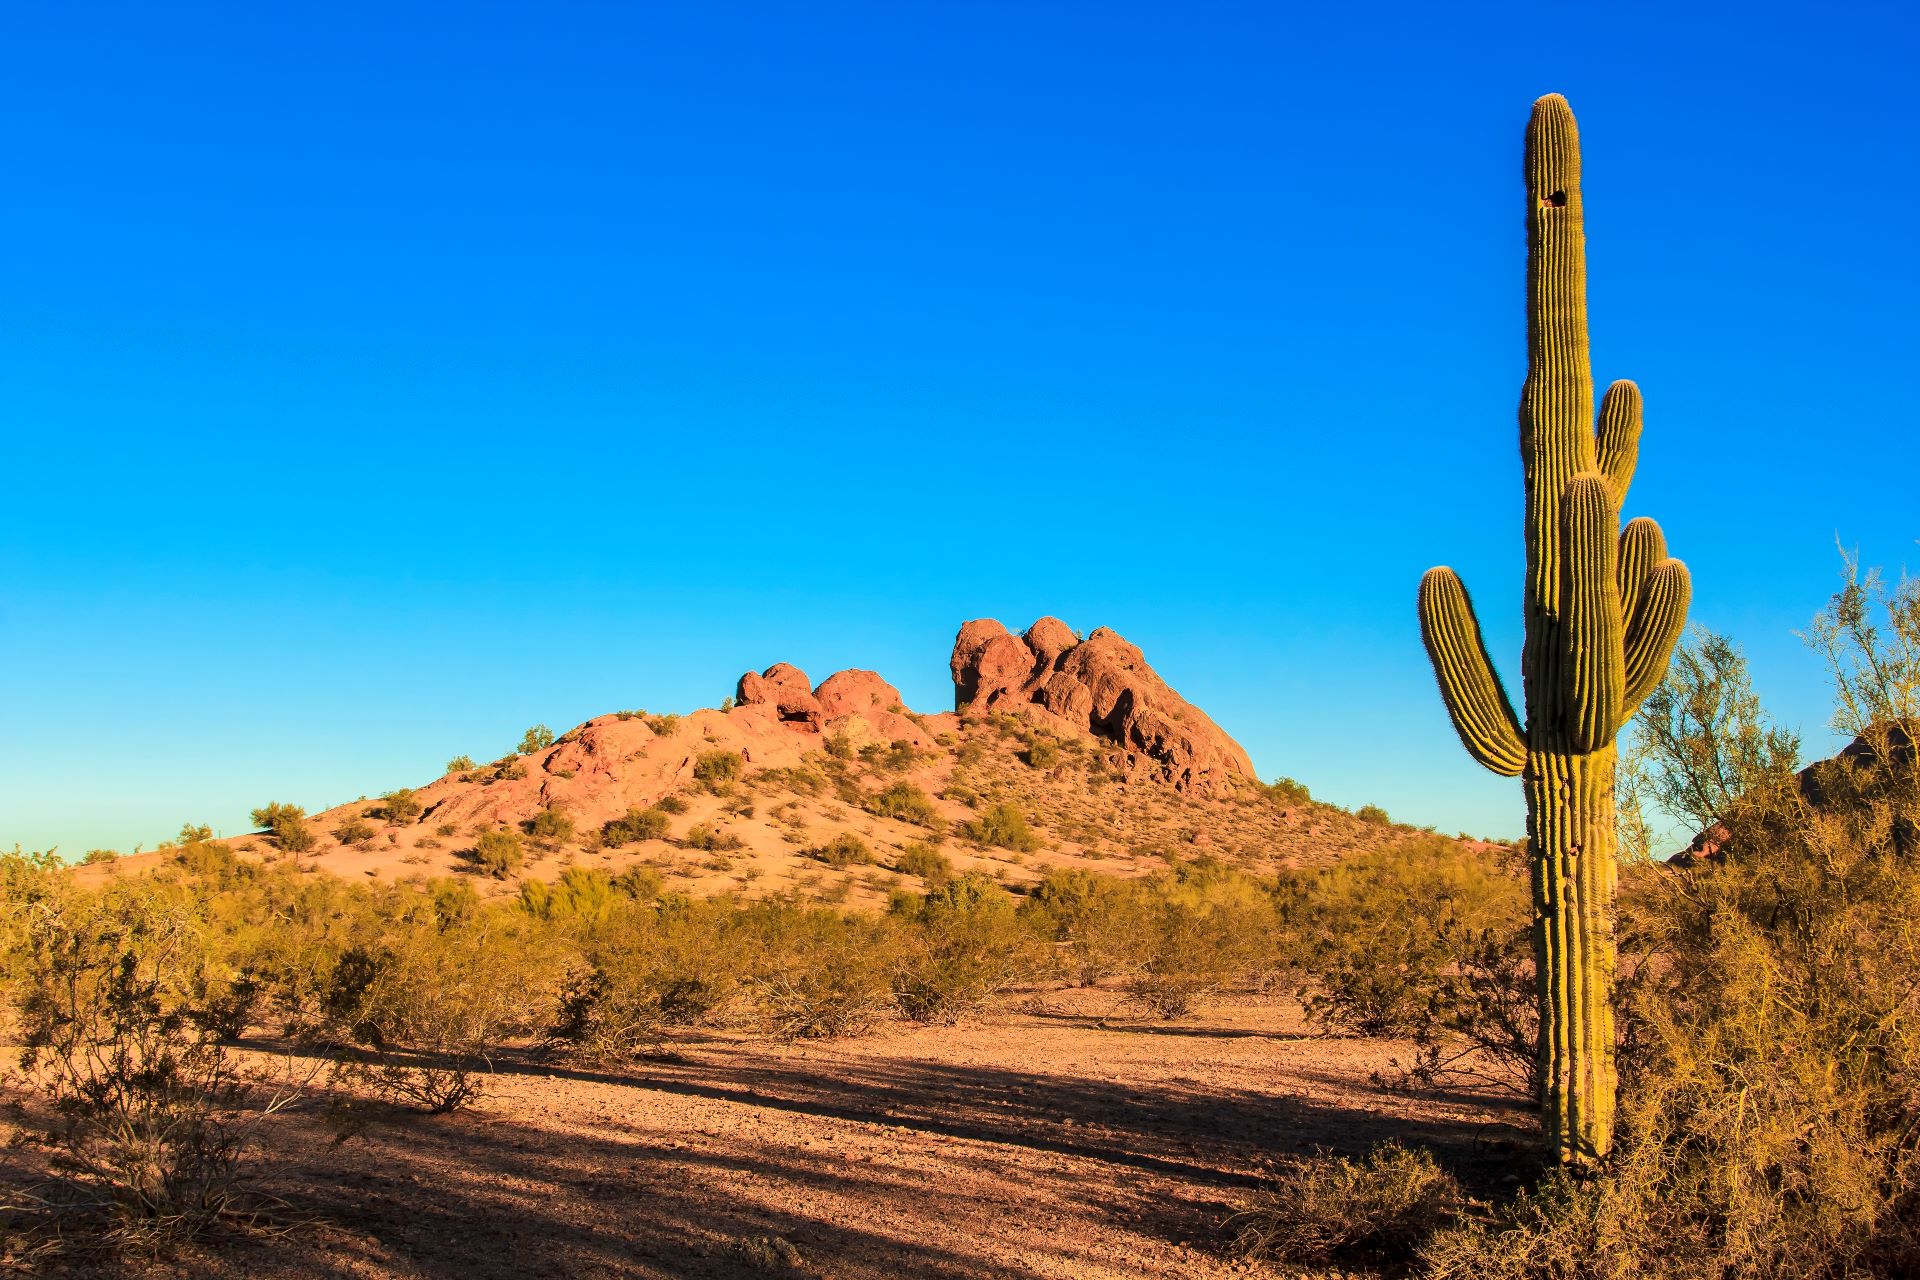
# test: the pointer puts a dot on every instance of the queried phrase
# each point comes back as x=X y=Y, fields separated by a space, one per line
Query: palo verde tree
x=1603 y=609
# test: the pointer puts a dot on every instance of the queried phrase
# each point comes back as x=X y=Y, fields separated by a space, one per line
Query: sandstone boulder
x=787 y=690
x=1101 y=686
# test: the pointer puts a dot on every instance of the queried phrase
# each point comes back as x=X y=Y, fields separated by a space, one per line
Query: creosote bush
x=498 y=852
x=538 y=738
x=635 y=824
x=908 y=803
x=1004 y=826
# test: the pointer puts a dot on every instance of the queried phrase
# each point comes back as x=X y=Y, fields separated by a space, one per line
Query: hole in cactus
x=1558 y=200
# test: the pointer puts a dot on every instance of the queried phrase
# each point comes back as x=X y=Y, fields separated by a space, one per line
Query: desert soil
x=1055 y=1136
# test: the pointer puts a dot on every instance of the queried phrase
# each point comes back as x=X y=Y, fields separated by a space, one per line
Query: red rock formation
x=786 y=688
x=1102 y=686
x=867 y=709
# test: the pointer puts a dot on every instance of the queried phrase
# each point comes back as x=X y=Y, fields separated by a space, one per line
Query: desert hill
x=1060 y=752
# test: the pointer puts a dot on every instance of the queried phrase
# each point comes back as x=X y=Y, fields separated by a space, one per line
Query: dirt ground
x=1057 y=1136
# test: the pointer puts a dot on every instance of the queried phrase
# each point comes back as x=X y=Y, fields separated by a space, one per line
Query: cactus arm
x=1617 y=441
x=1477 y=703
x=1657 y=622
x=1642 y=546
x=1591 y=630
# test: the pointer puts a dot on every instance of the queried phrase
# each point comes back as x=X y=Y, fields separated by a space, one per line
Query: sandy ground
x=1056 y=1136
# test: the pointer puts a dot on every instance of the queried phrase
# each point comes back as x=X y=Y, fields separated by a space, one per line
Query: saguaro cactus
x=1603 y=610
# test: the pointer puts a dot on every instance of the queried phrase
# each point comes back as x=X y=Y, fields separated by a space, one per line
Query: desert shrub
x=1288 y=792
x=551 y=824
x=1004 y=826
x=906 y=802
x=498 y=852
x=926 y=862
x=354 y=831
x=399 y=806
x=967 y=943
x=670 y=804
x=460 y=764
x=702 y=836
x=839 y=746
x=95 y=857
x=1042 y=753
x=1374 y=814
x=635 y=824
x=1097 y=921
x=150 y=1112
x=538 y=738
x=896 y=757
x=844 y=850
x=815 y=973
x=1382 y=933
x=1203 y=929
x=642 y=884
x=427 y=1006
x=582 y=899
x=206 y=859
x=713 y=767
x=1374 y=1211
x=286 y=823
x=191 y=833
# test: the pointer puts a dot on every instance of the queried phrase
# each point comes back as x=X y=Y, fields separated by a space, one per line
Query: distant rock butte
x=1101 y=686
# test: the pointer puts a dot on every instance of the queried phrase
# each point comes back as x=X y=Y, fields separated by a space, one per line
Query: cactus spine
x=1604 y=608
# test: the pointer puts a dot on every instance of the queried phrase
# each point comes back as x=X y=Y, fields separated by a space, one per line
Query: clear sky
x=380 y=379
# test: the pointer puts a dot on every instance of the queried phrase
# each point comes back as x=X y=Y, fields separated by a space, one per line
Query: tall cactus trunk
x=1570 y=835
x=1603 y=608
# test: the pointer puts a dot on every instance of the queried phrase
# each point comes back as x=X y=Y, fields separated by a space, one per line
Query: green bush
x=551 y=824
x=670 y=804
x=97 y=856
x=968 y=943
x=702 y=836
x=717 y=766
x=844 y=850
x=1288 y=792
x=286 y=824
x=498 y=852
x=193 y=834
x=907 y=803
x=926 y=862
x=1383 y=933
x=1004 y=826
x=460 y=764
x=635 y=824
x=400 y=806
x=1042 y=753
x=538 y=738
x=1374 y=814
x=354 y=831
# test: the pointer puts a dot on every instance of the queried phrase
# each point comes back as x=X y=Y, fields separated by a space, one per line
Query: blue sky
x=382 y=379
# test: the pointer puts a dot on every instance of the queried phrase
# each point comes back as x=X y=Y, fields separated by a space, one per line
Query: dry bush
x=1375 y=1211
x=151 y=1116
x=967 y=943
x=1383 y=934
x=427 y=1006
x=814 y=973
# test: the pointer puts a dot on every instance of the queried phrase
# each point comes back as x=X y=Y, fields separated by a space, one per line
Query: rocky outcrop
x=1101 y=686
x=868 y=709
x=787 y=690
